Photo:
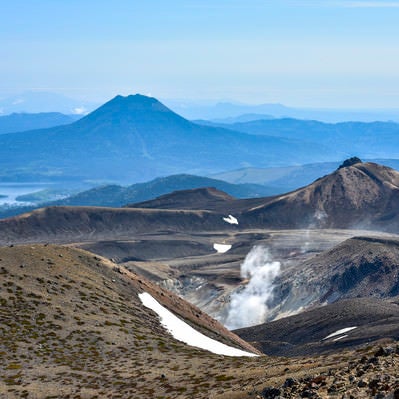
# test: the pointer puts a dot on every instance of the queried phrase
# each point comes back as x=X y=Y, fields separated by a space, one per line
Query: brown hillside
x=72 y=324
x=364 y=195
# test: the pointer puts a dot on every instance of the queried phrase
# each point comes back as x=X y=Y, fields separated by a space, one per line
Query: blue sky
x=301 y=53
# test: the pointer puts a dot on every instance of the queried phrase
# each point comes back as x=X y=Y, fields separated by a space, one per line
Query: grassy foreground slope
x=72 y=326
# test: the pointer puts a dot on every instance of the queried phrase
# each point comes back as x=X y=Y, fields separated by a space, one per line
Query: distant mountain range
x=113 y=195
x=285 y=178
x=222 y=110
x=136 y=138
x=367 y=140
x=116 y=196
x=19 y=122
x=289 y=178
x=41 y=101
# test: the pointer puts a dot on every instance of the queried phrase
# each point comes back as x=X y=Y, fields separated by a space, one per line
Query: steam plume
x=248 y=307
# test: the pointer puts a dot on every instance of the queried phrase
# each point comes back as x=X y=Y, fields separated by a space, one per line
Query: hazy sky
x=301 y=53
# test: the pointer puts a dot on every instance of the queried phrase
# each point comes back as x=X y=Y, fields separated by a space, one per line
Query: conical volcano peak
x=133 y=108
x=138 y=101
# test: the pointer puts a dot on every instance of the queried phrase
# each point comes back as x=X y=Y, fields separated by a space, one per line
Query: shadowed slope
x=305 y=333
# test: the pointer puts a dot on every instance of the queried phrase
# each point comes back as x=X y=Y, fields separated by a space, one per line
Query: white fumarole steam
x=248 y=307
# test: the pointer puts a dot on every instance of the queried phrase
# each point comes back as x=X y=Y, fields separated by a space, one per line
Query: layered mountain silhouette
x=113 y=195
x=370 y=140
x=136 y=138
x=361 y=195
x=19 y=122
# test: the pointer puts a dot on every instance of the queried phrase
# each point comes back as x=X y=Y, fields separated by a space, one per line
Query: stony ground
x=372 y=375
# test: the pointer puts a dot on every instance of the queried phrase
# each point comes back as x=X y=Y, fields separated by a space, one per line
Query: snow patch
x=339 y=332
x=231 y=219
x=185 y=333
x=342 y=336
x=222 y=248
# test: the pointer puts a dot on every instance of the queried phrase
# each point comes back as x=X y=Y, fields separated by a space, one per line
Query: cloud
x=79 y=111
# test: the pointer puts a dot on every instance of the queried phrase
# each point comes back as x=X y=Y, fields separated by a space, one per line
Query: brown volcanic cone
x=363 y=195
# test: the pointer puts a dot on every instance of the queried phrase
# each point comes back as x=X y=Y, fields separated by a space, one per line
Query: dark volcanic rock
x=350 y=162
x=360 y=267
x=379 y=382
x=307 y=332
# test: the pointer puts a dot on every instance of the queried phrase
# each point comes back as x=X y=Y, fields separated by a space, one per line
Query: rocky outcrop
x=374 y=375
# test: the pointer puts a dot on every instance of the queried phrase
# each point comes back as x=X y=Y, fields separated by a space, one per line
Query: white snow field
x=221 y=248
x=339 y=332
x=185 y=333
x=231 y=219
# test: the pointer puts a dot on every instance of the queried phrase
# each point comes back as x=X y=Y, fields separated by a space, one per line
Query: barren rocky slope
x=362 y=195
x=365 y=319
x=358 y=267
